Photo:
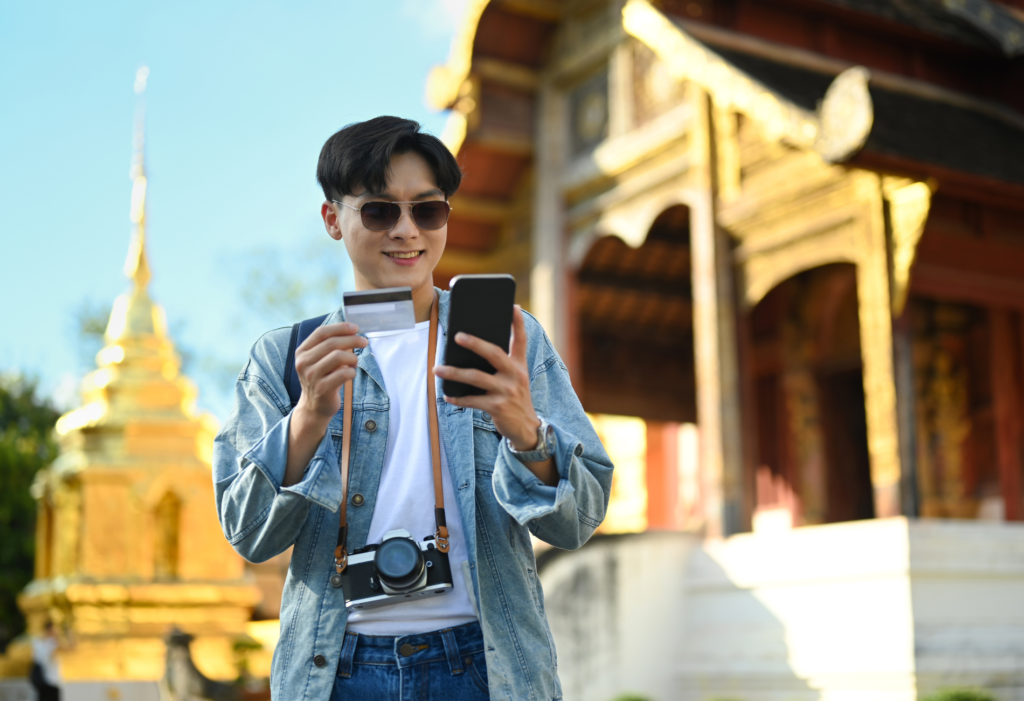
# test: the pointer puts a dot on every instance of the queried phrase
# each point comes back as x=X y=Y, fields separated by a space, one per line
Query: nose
x=405 y=227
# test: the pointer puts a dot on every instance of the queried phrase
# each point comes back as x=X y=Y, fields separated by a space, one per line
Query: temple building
x=780 y=246
x=128 y=544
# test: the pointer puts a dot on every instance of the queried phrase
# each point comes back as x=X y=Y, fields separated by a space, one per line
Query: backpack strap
x=300 y=332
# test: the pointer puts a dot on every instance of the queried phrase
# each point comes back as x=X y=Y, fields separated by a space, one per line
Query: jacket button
x=487 y=417
x=357 y=500
x=320 y=660
x=370 y=425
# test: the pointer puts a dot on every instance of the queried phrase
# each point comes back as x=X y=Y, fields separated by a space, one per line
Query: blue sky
x=240 y=98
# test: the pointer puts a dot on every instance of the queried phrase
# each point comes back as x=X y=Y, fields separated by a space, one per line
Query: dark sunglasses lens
x=380 y=216
x=430 y=215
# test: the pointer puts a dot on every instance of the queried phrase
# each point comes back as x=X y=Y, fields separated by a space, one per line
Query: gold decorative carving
x=727 y=150
x=908 y=211
x=444 y=81
x=837 y=130
x=689 y=59
x=847 y=115
x=943 y=412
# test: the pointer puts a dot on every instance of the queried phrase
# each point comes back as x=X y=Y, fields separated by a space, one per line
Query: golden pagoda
x=127 y=540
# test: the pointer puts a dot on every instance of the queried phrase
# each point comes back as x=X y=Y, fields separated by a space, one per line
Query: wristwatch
x=545 y=444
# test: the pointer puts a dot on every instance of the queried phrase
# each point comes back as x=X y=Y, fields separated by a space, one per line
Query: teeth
x=412 y=254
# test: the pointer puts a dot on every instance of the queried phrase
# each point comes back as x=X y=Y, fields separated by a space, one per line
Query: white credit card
x=374 y=311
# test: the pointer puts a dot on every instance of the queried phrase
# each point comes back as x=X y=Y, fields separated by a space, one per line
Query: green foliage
x=286 y=284
x=242 y=647
x=960 y=695
x=89 y=324
x=630 y=697
x=26 y=445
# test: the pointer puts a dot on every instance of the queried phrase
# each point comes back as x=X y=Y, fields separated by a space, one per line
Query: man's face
x=404 y=256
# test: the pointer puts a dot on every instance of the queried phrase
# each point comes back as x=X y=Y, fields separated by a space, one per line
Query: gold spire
x=134 y=313
x=136 y=266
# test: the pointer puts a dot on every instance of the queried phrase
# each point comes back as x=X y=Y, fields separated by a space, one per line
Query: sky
x=240 y=98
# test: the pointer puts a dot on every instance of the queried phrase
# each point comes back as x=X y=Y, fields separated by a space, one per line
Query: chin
x=404 y=278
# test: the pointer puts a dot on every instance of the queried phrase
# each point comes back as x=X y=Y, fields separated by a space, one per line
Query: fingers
x=312 y=373
x=518 y=349
x=488 y=351
x=476 y=378
x=342 y=330
x=310 y=354
x=471 y=401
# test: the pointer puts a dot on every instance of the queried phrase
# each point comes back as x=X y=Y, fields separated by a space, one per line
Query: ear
x=332 y=222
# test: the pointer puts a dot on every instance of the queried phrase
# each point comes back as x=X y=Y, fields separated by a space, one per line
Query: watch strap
x=543 y=450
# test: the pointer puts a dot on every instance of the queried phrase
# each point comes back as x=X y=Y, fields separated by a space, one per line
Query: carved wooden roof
x=980 y=23
x=797 y=97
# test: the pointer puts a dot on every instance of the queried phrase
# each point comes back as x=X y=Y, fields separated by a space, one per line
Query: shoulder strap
x=441 y=532
x=300 y=332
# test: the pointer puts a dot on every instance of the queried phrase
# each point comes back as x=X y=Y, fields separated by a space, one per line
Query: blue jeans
x=446 y=665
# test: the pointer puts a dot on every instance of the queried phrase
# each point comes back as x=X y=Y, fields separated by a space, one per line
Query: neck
x=422 y=298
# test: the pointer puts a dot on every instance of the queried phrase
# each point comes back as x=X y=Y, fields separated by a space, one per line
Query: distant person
x=520 y=459
x=45 y=674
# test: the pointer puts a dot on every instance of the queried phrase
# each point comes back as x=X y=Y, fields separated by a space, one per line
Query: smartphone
x=480 y=305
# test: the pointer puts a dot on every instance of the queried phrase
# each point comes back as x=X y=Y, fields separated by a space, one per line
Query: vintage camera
x=395 y=570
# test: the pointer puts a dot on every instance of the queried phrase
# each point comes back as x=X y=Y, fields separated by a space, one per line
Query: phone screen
x=481 y=305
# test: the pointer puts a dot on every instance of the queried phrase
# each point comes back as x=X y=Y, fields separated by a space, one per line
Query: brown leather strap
x=341 y=551
x=441 y=534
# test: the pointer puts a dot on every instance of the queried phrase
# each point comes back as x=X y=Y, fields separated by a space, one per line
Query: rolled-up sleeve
x=564 y=515
x=259 y=517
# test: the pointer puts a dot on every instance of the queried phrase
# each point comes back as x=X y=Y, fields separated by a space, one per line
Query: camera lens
x=399 y=563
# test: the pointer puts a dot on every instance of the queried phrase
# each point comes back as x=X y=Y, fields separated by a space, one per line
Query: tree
x=27 y=445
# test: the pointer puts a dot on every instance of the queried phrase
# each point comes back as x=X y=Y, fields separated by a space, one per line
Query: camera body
x=397 y=569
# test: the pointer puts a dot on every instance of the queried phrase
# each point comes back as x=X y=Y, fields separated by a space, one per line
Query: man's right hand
x=325 y=361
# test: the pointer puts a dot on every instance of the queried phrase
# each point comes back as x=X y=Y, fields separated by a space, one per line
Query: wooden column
x=906 y=407
x=1007 y=390
x=875 y=312
x=714 y=331
x=547 y=274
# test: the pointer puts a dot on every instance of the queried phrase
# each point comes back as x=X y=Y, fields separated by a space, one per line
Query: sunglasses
x=382 y=216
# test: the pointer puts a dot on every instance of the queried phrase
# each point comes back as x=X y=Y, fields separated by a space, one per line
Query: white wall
x=880 y=610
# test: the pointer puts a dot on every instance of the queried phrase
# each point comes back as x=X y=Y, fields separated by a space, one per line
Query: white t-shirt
x=405 y=497
x=44 y=654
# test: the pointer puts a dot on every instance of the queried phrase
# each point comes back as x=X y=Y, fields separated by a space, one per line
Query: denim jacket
x=495 y=491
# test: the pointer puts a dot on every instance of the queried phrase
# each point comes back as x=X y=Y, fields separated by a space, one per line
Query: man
x=45 y=674
x=520 y=459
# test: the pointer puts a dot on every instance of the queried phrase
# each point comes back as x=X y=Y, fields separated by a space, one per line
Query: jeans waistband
x=407 y=650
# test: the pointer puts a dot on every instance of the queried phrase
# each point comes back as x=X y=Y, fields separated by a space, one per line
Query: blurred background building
x=780 y=246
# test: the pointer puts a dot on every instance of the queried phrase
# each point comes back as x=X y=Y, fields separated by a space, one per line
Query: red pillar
x=1008 y=401
x=662 y=475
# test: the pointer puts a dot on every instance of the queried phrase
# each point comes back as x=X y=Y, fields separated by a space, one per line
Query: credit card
x=373 y=311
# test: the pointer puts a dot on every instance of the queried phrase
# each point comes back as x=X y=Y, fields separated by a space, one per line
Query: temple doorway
x=812 y=461
x=635 y=372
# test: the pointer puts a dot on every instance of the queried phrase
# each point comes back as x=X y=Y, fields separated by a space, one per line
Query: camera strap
x=441 y=533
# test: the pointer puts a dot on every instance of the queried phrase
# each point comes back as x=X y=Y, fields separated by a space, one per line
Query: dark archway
x=635 y=327
x=809 y=398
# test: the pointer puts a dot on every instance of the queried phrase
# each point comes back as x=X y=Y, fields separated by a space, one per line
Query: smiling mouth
x=403 y=254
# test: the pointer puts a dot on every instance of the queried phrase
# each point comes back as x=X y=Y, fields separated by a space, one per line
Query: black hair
x=359 y=156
